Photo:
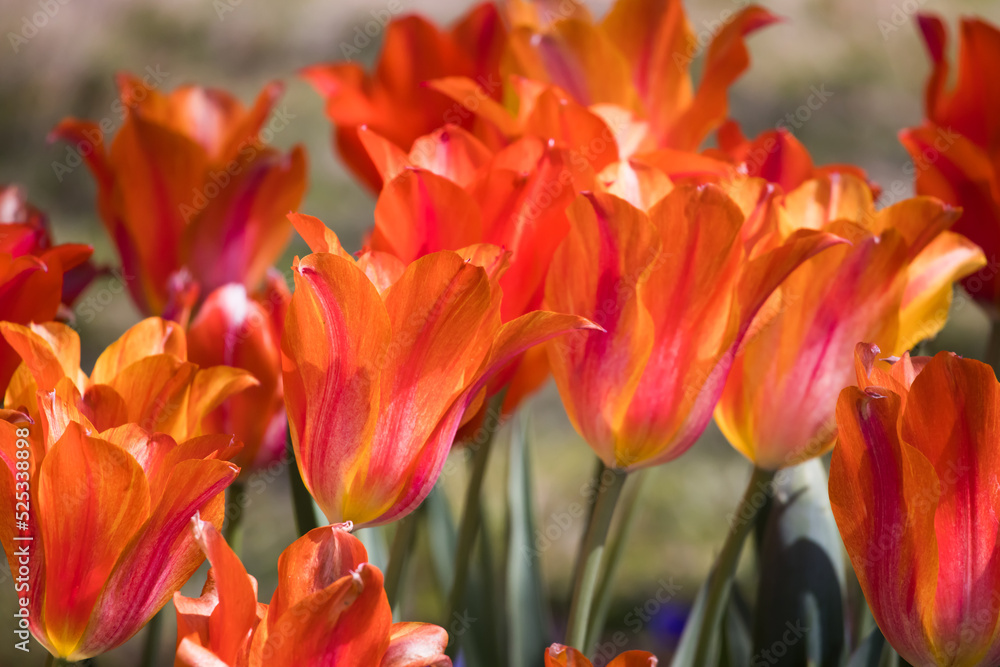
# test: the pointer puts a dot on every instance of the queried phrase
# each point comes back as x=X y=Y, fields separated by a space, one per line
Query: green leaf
x=736 y=632
x=800 y=603
x=527 y=618
x=871 y=652
x=684 y=656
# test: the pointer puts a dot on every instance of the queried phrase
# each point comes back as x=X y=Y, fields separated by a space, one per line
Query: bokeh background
x=865 y=54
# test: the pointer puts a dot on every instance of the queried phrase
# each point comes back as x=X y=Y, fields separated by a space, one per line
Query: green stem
x=52 y=661
x=469 y=524
x=151 y=648
x=399 y=554
x=628 y=514
x=993 y=345
x=305 y=515
x=721 y=578
x=233 y=531
x=591 y=555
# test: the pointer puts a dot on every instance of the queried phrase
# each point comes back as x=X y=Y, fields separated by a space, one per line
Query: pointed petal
x=346 y=623
x=149 y=337
x=419 y=212
x=92 y=498
x=597 y=373
x=416 y=645
x=314 y=562
x=162 y=555
x=336 y=333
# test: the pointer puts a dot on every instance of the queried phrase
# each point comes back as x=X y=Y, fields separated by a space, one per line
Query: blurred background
x=865 y=54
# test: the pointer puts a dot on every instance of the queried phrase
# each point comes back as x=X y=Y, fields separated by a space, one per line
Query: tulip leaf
x=527 y=620
x=800 y=604
x=684 y=656
x=464 y=626
x=871 y=652
x=738 y=644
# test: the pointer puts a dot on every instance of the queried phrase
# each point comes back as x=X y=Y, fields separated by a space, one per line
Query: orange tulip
x=381 y=360
x=235 y=329
x=102 y=541
x=638 y=58
x=955 y=152
x=676 y=291
x=35 y=276
x=142 y=378
x=329 y=609
x=558 y=655
x=451 y=192
x=414 y=51
x=892 y=284
x=913 y=484
x=777 y=157
x=189 y=192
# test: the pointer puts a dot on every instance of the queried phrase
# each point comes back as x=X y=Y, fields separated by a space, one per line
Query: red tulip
x=955 y=151
x=235 y=329
x=35 y=276
x=414 y=51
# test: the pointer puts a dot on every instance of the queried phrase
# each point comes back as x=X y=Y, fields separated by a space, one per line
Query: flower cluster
x=545 y=208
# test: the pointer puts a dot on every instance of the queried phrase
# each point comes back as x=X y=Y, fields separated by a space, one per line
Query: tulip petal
x=50 y=351
x=416 y=645
x=161 y=556
x=598 y=373
x=952 y=414
x=314 y=562
x=151 y=336
x=420 y=212
x=879 y=490
x=336 y=334
x=92 y=498
x=346 y=623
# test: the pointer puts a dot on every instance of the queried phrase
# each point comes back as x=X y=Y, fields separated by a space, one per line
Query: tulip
x=676 y=291
x=104 y=525
x=892 y=284
x=142 y=378
x=238 y=330
x=329 y=609
x=777 y=157
x=955 y=150
x=639 y=58
x=36 y=278
x=381 y=360
x=414 y=51
x=913 y=485
x=189 y=191
x=451 y=192
x=558 y=655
